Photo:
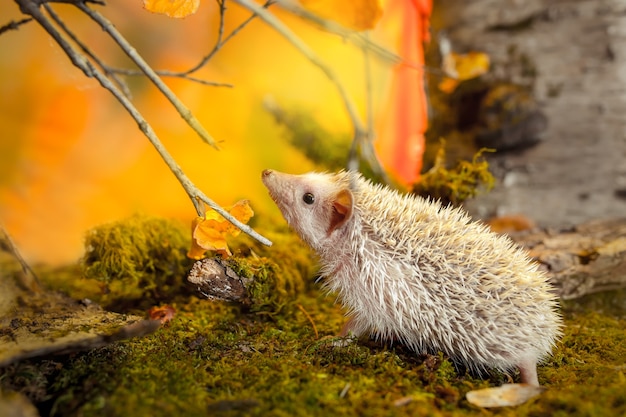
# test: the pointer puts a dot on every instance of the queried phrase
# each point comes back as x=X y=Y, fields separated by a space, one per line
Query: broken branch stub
x=217 y=281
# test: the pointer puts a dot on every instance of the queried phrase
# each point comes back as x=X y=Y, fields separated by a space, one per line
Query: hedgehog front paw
x=343 y=341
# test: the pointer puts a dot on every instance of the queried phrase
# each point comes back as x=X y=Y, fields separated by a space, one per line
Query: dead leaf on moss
x=172 y=8
x=507 y=395
x=163 y=314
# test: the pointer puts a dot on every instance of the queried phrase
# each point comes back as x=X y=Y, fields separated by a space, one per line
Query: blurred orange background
x=72 y=158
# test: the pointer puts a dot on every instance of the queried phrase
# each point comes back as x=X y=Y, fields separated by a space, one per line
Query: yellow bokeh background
x=72 y=158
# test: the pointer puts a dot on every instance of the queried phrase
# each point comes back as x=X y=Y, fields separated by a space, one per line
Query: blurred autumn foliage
x=71 y=158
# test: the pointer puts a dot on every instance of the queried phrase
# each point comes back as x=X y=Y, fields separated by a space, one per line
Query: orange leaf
x=353 y=14
x=210 y=232
x=163 y=313
x=172 y=8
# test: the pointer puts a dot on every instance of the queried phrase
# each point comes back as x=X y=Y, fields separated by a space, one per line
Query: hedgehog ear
x=341 y=210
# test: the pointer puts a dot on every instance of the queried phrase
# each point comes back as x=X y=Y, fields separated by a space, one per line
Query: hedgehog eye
x=308 y=198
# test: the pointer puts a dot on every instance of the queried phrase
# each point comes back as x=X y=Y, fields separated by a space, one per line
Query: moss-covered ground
x=216 y=358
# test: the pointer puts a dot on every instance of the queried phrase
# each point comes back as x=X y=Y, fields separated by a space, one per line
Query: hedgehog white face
x=314 y=205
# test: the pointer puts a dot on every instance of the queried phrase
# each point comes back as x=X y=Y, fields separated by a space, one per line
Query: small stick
x=13 y=25
x=310 y=320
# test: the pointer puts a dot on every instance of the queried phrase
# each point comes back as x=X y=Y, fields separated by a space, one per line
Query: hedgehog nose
x=266 y=173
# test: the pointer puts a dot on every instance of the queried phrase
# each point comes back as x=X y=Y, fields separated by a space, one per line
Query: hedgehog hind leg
x=528 y=372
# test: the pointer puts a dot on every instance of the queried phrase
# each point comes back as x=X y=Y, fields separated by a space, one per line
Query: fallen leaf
x=353 y=14
x=507 y=395
x=163 y=314
x=461 y=67
x=210 y=231
x=172 y=8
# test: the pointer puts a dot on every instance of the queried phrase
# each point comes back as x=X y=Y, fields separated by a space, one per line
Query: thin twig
x=360 y=132
x=194 y=79
x=308 y=316
x=80 y=61
x=304 y=49
x=7 y=244
x=131 y=52
x=365 y=144
x=220 y=34
x=369 y=95
x=13 y=25
x=360 y=40
x=166 y=73
x=219 y=43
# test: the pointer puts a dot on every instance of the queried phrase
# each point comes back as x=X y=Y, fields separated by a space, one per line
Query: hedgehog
x=412 y=270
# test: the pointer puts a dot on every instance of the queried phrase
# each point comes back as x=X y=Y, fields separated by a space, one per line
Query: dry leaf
x=172 y=8
x=163 y=314
x=353 y=14
x=506 y=395
x=210 y=232
x=462 y=67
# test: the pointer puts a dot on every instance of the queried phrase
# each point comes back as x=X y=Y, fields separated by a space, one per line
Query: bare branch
x=360 y=40
x=13 y=25
x=360 y=132
x=220 y=34
x=366 y=144
x=219 y=43
x=281 y=28
x=28 y=279
x=131 y=52
x=166 y=73
x=30 y=8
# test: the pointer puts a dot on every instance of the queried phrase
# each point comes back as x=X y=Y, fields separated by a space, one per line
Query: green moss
x=457 y=184
x=281 y=272
x=140 y=261
x=138 y=258
x=215 y=358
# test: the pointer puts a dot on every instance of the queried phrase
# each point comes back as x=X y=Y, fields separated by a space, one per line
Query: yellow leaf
x=461 y=67
x=353 y=14
x=210 y=231
x=172 y=8
x=242 y=212
x=471 y=65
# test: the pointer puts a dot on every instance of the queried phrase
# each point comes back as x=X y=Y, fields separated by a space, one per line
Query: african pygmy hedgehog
x=412 y=270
